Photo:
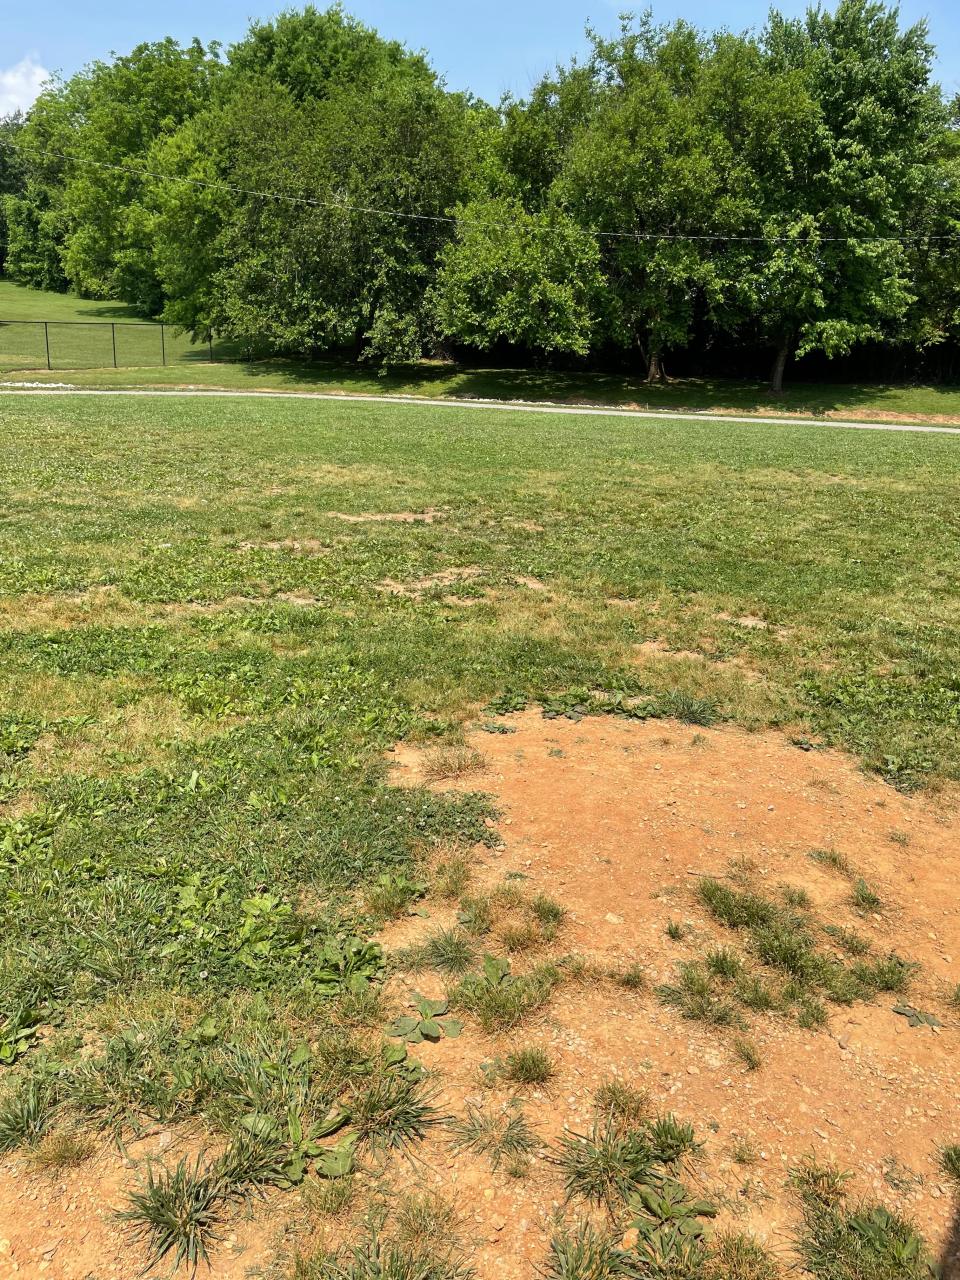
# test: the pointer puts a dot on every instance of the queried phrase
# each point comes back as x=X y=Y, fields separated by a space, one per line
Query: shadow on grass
x=108 y=311
x=693 y=394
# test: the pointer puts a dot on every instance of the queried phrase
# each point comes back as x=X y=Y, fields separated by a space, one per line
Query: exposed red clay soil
x=616 y=819
x=63 y=1224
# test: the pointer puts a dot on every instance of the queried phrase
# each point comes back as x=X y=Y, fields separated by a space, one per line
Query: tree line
x=317 y=189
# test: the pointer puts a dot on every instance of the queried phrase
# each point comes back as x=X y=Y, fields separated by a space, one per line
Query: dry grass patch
x=449 y=761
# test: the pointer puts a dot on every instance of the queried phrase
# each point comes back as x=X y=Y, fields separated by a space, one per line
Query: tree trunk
x=779 y=365
x=655 y=367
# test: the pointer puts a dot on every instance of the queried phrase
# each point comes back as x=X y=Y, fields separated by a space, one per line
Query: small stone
x=498 y=1223
x=611 y=918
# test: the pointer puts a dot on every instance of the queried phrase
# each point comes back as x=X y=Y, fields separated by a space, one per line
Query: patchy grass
x=839 y=1241
x=784 y=943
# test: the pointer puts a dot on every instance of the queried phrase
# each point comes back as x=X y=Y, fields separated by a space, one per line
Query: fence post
x=163 y=346
x=46 y=338
x=113 y=334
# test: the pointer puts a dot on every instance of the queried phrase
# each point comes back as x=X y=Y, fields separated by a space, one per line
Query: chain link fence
x=98 y=344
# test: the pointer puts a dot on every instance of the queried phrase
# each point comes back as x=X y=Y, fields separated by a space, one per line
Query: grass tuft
x=24 y=1114
x=448 y=761
x=392 y=1111
x=863 y=897
x=501 y=1004
x=452 y=876
x=748 y=1053
x=671 y=1139
x=833 y=859
x=697 y=999
x=501 y=1135
x=948 y=1158
x=724 y=962
x=853 y=943
x=626 y=1105
x=379 y=1259
x=62 y=1149
x=604 y=1166
x=177 y=1211
x=531 y=1065
x=449 y=951
x=586 y=1253
x=547 y=910
x=633 y=978
x=733 y=1256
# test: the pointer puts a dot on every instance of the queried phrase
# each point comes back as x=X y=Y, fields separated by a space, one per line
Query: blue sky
x=489 y=46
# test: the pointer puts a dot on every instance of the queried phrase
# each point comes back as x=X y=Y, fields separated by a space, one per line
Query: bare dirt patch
x=618 y=820
x=418 y=588
x=298 y=546
x=63 y=1223
x=388 y=517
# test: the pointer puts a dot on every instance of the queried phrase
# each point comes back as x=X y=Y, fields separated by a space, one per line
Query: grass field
x=87 y=354
x=202 y=665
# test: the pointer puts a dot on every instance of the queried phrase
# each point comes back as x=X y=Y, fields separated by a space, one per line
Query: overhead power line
x=452 y=220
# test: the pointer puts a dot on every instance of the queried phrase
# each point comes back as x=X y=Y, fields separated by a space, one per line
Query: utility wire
x=452 y=220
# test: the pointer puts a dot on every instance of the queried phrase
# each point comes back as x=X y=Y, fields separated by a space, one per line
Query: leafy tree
x=314 y=53
x=644 y=175
x=324 y=271
x=672 y=190
x=530 y=279
x=870 y=154
x=87 y=208
x=11 y=172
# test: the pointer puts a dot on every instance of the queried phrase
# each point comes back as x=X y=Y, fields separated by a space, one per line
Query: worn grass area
x=200 y=674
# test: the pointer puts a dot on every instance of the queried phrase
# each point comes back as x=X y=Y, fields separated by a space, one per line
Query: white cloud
x=20 y=84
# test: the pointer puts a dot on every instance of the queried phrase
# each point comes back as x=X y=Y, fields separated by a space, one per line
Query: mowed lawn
x=203 y=664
